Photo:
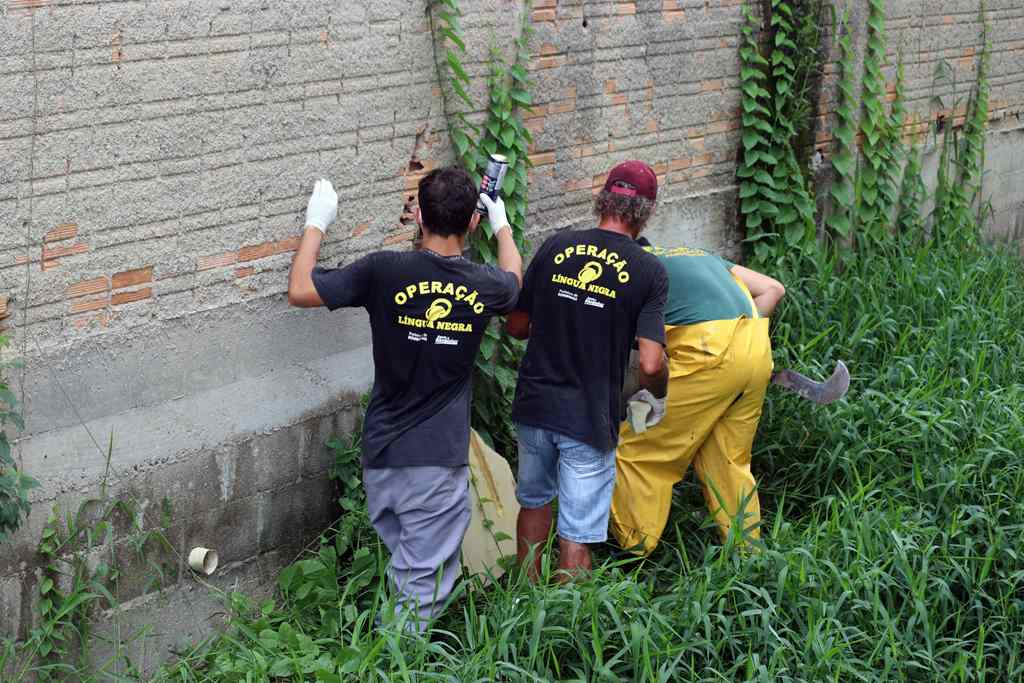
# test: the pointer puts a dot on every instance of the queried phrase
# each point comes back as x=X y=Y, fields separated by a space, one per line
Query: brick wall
x=157 y=157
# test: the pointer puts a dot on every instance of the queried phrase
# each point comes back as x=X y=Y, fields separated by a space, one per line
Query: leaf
x=460 y=140
x=508 y=136
x=521 y=97
x=840 y=223
x=456 y=65
x=451 y=35
x=751 y=139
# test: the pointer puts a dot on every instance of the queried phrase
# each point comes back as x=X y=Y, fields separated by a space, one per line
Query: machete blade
x=821 y=393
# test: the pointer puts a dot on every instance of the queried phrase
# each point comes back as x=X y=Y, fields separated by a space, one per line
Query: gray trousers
x=421 y=514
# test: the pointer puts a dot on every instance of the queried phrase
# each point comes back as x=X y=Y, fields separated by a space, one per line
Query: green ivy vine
x=776 y=202
x=14 y=483
x=502 y=132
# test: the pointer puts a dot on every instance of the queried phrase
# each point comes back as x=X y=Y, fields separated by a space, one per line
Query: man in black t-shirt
x=428 y=312
x=587 y=296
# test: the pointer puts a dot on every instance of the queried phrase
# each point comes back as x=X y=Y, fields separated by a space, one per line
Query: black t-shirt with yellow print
x=589 y=294
x=428 y=314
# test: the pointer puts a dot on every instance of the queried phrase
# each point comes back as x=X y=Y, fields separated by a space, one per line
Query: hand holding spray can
x=494 y=175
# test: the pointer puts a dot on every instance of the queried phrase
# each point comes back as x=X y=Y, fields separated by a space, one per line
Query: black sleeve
x=499 y=290
x=348 y=286
x=525 y=302
x=650 y=324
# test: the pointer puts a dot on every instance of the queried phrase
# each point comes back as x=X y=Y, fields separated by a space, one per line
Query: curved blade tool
x=821 y=393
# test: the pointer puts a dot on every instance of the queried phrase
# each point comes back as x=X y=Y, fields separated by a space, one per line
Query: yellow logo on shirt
x=440 y=308
x=590 y=272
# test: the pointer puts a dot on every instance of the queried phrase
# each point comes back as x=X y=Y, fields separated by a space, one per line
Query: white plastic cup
x=203 y=560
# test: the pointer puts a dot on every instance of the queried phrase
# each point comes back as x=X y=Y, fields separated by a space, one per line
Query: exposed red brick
x=62 y=232
x=26 y=6
x=360 y=229
x=625 y=8
x=4 y=311
x=610 y=86
x=651 y=126
x=679 y=164
x=20 y=260
x=286 y=245
x=61 y=252
x=244 y=272
x=619 y=100
x=132 y=277
x=538 y=111
x=541 y=4
x=711 y=85
x=256 y=251
x=88 y=305
x=404 y=235
x=542 y=15
x=542 y=158
x=548 y=49
x=103 y=320
x=562 y=106
x=49 y=264
x=93 y=286
x=552 y=62
x=129 y=297
x=217 y=261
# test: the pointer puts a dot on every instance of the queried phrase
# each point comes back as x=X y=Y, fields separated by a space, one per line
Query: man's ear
x=474 y=222
x=419 y=218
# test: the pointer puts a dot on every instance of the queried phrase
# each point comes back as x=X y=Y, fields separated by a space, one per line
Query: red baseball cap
x=633 y=178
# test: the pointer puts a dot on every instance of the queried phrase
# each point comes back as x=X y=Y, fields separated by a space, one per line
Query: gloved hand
x=644 y=410
x=495 y=213
x=323 y=206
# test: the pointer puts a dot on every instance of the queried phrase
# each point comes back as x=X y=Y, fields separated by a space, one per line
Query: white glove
x=323 y=206
x=495 y=214
x=644 y=410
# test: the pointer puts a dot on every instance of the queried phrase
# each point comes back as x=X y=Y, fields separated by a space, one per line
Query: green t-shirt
x=700 y=287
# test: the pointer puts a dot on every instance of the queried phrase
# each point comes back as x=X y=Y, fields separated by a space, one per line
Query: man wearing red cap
x=587 y=295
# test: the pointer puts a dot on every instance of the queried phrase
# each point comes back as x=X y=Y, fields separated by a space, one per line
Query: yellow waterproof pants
x=718 y=374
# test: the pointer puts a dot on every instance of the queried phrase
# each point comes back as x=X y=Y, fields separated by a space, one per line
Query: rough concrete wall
x=157 y=157
x=927 y=35
x=156 y=162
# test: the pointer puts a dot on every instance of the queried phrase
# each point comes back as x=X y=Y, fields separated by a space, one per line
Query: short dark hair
x=447 y=198
x=633 y=211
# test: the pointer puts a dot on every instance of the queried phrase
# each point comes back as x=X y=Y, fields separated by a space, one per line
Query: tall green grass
x=894 y=526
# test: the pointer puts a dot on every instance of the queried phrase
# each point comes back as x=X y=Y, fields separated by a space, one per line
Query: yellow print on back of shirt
x=440 y=307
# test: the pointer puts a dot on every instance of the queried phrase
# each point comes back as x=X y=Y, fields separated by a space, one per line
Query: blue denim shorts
x=581 y=477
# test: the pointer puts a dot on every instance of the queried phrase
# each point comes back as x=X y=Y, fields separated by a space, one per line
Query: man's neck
x=612 y=224
x=443 y=246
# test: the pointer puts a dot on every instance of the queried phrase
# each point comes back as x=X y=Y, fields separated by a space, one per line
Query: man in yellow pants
x=720 y=363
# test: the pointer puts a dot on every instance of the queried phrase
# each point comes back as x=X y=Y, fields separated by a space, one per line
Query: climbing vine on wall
x=775 y=198
x=501 y=132
x=877 y=189
x=14 y=484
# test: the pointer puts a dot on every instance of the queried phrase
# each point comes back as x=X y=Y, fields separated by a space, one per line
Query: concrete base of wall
x=244 y=468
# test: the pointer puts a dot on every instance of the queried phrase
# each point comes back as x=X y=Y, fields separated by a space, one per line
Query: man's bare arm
x=320 y=212
x=653 y=367
x=509 y=258
x=767 y=291
x=301 y=291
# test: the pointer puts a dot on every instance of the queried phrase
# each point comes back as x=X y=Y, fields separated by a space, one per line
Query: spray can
x=490 y=184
